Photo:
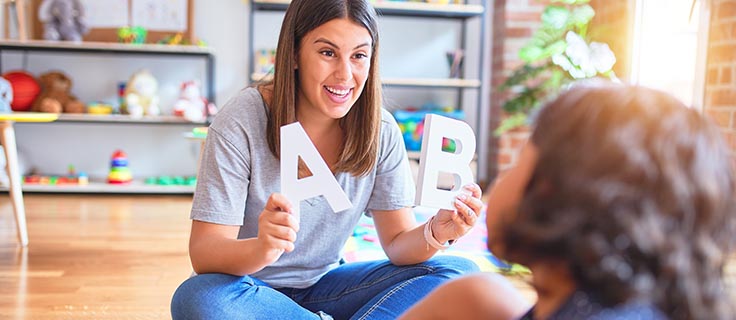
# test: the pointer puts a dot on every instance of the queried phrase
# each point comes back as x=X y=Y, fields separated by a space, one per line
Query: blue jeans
x=357 y=290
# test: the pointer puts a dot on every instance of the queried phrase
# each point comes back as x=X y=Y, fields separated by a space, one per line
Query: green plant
x=558 y=54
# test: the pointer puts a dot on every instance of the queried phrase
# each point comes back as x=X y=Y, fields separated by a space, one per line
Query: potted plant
x=558 y=54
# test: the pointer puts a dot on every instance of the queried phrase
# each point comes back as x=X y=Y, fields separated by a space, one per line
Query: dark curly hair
x=636 y=192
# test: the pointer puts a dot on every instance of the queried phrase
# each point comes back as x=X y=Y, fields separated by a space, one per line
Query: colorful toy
x=119 y=171
x=6 y=95
x=199 y=132
x=411 y=123
x=56 y=95
x=69 y=179
x=141 y=95
x=191 y=105
x=172 y=181
x=25 y=89
x=133 y=35
x=99 y=108
x=179 y=39
x=62 y=20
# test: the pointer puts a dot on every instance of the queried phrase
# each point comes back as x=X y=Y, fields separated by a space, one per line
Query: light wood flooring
x=101 y=257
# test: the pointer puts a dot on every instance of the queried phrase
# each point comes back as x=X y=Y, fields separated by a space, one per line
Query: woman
x=256 y=260
x=621 y=205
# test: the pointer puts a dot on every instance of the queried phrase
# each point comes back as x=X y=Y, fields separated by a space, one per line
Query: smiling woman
x=247 y=241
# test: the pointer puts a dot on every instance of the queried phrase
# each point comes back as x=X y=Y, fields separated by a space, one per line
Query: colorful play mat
x=364 y=245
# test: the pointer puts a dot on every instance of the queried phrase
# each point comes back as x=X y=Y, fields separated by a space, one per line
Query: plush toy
x=56 y=95
x=62 y=20
x=140 y=95
x=191 y=105
x=6 y=95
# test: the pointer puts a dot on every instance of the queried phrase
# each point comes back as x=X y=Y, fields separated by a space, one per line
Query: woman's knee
x=452 y=265
x=196 y=293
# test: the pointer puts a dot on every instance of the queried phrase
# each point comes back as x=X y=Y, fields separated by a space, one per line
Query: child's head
x=635 y=192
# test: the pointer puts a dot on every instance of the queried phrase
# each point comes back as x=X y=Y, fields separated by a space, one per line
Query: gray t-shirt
x=238 y=173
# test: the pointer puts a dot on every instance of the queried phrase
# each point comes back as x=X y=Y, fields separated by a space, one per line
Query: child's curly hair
x=636 y=192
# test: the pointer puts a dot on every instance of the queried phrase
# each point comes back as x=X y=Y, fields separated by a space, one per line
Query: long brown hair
x=636 y=192
x=361 y=125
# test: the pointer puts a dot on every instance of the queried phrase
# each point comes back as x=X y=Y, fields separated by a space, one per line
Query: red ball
x=25 y=89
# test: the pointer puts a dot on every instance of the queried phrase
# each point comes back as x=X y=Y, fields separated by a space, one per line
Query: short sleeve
x=224 y=177
x=394 y=185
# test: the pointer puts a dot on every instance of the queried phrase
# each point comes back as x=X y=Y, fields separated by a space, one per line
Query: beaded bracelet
x=431 y=240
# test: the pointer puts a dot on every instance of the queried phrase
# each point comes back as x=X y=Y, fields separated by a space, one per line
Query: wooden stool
x=7 y=139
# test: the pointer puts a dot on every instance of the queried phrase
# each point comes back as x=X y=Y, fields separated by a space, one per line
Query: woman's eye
x=361 y=56
x=328 y=53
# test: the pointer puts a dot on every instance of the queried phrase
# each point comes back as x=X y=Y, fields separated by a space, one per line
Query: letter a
x=433 y=160
x=296 y=143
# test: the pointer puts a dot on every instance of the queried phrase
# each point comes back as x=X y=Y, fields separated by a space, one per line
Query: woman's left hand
x=451 y=225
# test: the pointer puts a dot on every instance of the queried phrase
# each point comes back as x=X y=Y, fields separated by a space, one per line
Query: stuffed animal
x=56 y=95
x=140 y=95
x=191 y=105
x=62 y=20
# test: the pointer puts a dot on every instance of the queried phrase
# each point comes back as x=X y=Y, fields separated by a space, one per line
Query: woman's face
x=333 y=62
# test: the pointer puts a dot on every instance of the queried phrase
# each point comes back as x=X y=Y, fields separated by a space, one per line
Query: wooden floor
x=101 y=257
x=94 y=257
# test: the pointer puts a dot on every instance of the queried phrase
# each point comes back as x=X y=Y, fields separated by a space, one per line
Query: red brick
x=723 y=98
x=518 y=32
x=726 y=75
x=726 y=10
x=505 y=158
x=721 y=117
x=712 y=76
x=720 y=32
x=722 y=53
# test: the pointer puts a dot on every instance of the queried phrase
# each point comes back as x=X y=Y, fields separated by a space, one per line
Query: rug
x=364 y=245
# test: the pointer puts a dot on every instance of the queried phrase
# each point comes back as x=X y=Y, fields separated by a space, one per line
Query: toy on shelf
x=179 y=39
x=62 y=20
x=25 y=89
x=132 y=35
x=56 y=95
x=141 y=95
x=191 y=105
x=411 y=123
x=172 y=181
x=119 y=171
x=71 y=178
x=199 y=132
x=100 y=108
x=6 y=95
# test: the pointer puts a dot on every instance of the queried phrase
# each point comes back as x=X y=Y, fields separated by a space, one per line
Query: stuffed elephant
x=62 y=19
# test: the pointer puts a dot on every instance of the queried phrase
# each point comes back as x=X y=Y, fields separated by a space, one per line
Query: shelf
x=434 y=83
x=101 y=187
x=409 y=82
x=124 y=119
x=390 y=8
x=103 y=47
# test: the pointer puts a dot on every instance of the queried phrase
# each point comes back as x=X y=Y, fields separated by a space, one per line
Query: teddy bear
x=191 y=105
x=141 y=95
x=62 y=20
x=56 y=95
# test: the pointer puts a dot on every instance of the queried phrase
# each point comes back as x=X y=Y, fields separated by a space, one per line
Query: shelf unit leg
x=7 y=138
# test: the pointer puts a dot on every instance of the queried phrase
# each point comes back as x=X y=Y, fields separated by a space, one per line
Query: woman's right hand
x=277 y=227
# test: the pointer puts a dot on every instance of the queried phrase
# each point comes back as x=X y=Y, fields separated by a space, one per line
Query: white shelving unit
x=155 y=130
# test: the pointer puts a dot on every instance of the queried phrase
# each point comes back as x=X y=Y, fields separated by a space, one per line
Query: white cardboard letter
x=433 y=160
x=296 y=143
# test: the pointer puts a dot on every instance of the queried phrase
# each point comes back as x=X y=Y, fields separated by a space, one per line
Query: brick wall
x=514 y=22
x=720 y=88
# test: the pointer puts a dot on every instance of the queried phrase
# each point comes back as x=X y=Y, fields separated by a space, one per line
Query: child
x=622 y=205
